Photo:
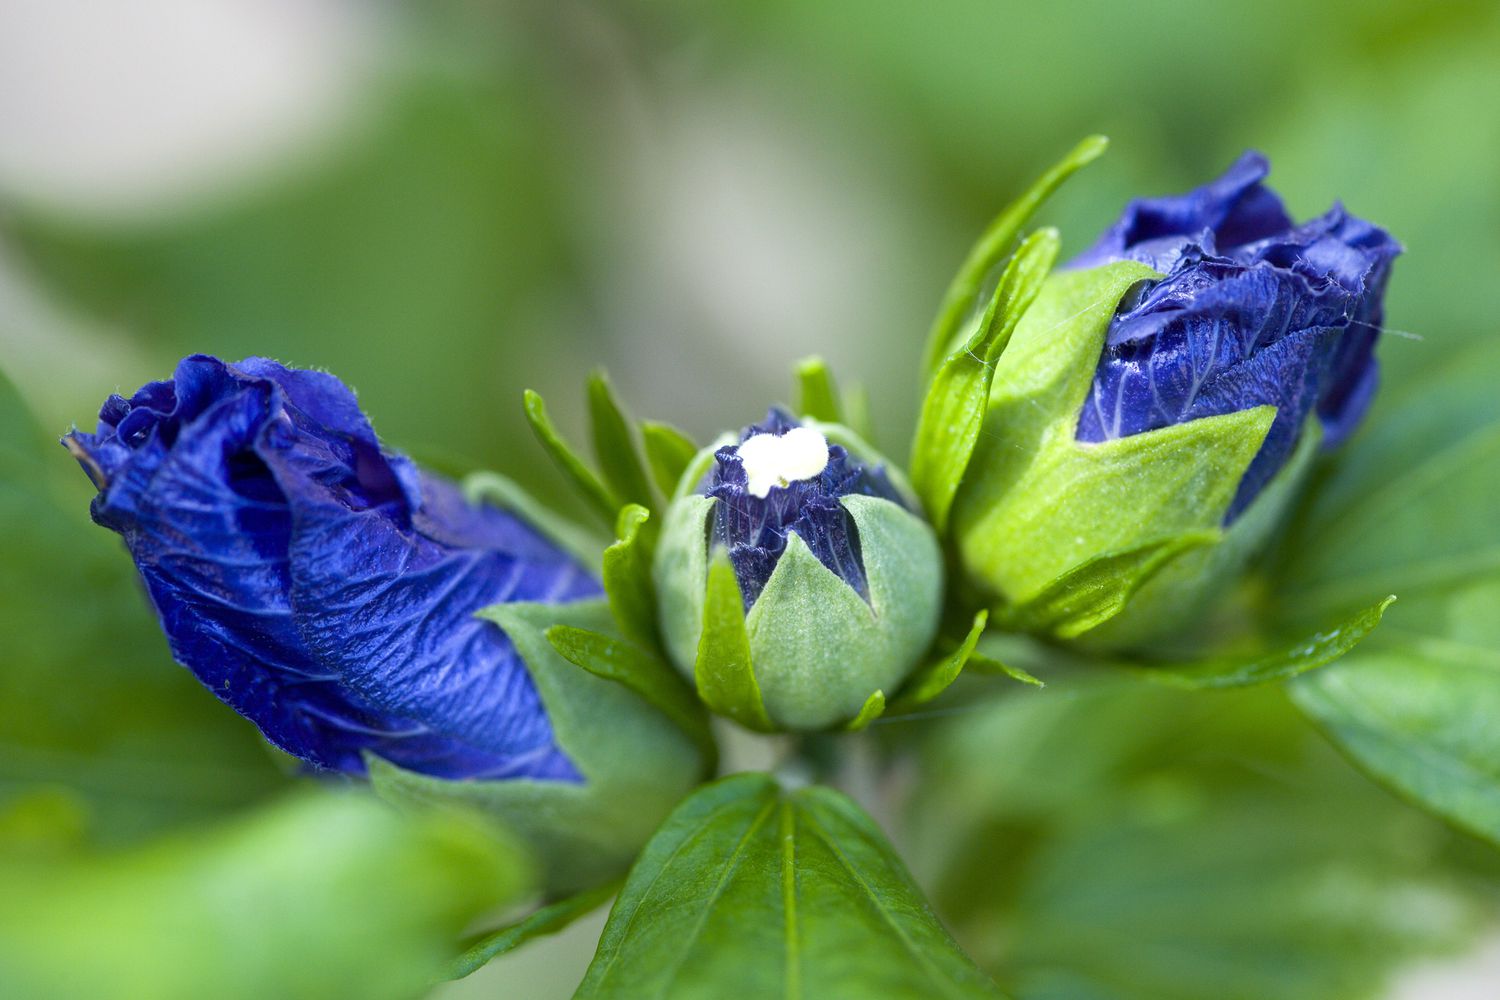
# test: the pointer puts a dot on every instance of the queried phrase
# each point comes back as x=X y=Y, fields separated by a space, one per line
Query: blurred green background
x=447 y=202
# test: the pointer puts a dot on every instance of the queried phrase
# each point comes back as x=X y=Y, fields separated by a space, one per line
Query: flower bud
x=331 y=592
x=1160 y=402
x=836 y=581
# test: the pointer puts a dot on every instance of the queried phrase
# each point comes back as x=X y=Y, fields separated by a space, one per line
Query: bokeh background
x=447 y=202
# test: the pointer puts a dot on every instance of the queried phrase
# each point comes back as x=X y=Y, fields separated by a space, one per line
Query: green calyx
x=811 y=653
x=1062 y=535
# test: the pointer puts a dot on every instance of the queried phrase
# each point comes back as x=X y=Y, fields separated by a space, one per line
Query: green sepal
x=816 y=395
x=992 y=247
x=1089 y=595
x=981 y=663
x=874 y=708
x=953 y=411
x=723 y=670
x=1316 y=651
x=503 y=492
x=626 y=572
x=937 y=676
x=668 y=453
x=643 y=673
x=1037 y=505
x=602 y=500
x=857 y=411
x=481 y=949
x=614 y=445
x=635 y=764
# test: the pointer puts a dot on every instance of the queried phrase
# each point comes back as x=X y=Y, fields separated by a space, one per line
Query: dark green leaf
x=614 y=444
x=953 y=412
x=668 y=452
x=747 y=891
x=549 y=919
x=642 y=673
x=627 y=577
x=604 y=501
x=816 y=395
x=993 y=245
x=1319 y=650
x=723 y=672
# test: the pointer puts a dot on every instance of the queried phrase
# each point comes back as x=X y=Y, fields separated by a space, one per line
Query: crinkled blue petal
x=321 y=587
x=1253 y=311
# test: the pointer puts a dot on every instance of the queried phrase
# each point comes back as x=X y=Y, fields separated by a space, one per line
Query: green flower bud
x=796 y=582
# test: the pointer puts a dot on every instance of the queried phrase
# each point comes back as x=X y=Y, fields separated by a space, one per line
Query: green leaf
x=614 y=444
x=669 y=452
x=873 y=708
x=857 y=411
x=1317 y=651
x=936 y=677
x=1095 y=592
x=603 y=500
x=642 y=673
x=326 y=893
x=549 y=919
x=816 y=395
x=747 y=891
x=953 y=411
x=723 y=671
x=979 y=663
x=627 y=577
x=1416 y=706
x=992 y=247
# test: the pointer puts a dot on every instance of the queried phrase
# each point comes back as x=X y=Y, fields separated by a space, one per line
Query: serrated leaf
x=992 y=247
x=1095 y=592
x=549 y=919
x=614 y=445
x=873 y=708
x=626 y=570
x=669 y=452
x=723 y=672
x=642 y=673
x=601 y=499
x=936 y=677
x=748 y=891
x=953 y=411
x=1319 y=650
x=816 y=395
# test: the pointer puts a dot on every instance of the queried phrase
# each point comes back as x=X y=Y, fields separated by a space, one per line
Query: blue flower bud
x=1160 y=402
x=1254 y=310
x=838 y=579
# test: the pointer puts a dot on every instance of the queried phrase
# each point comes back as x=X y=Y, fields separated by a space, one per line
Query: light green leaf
x=979 y=663
x=748 y=891
x=614 y=444
x=953 y=411
x=874 y=708
x=627 y=577
x=1417 y=706
x=992 y=247
x=549 y=919
x=604 y=501
x=1096 y=591
x=1317 y=651
x=937 y=676
x=642 y=673
x=669 y=452
x=723 y=670
x=816 y=395
x=327 y=893
x=857 y=411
